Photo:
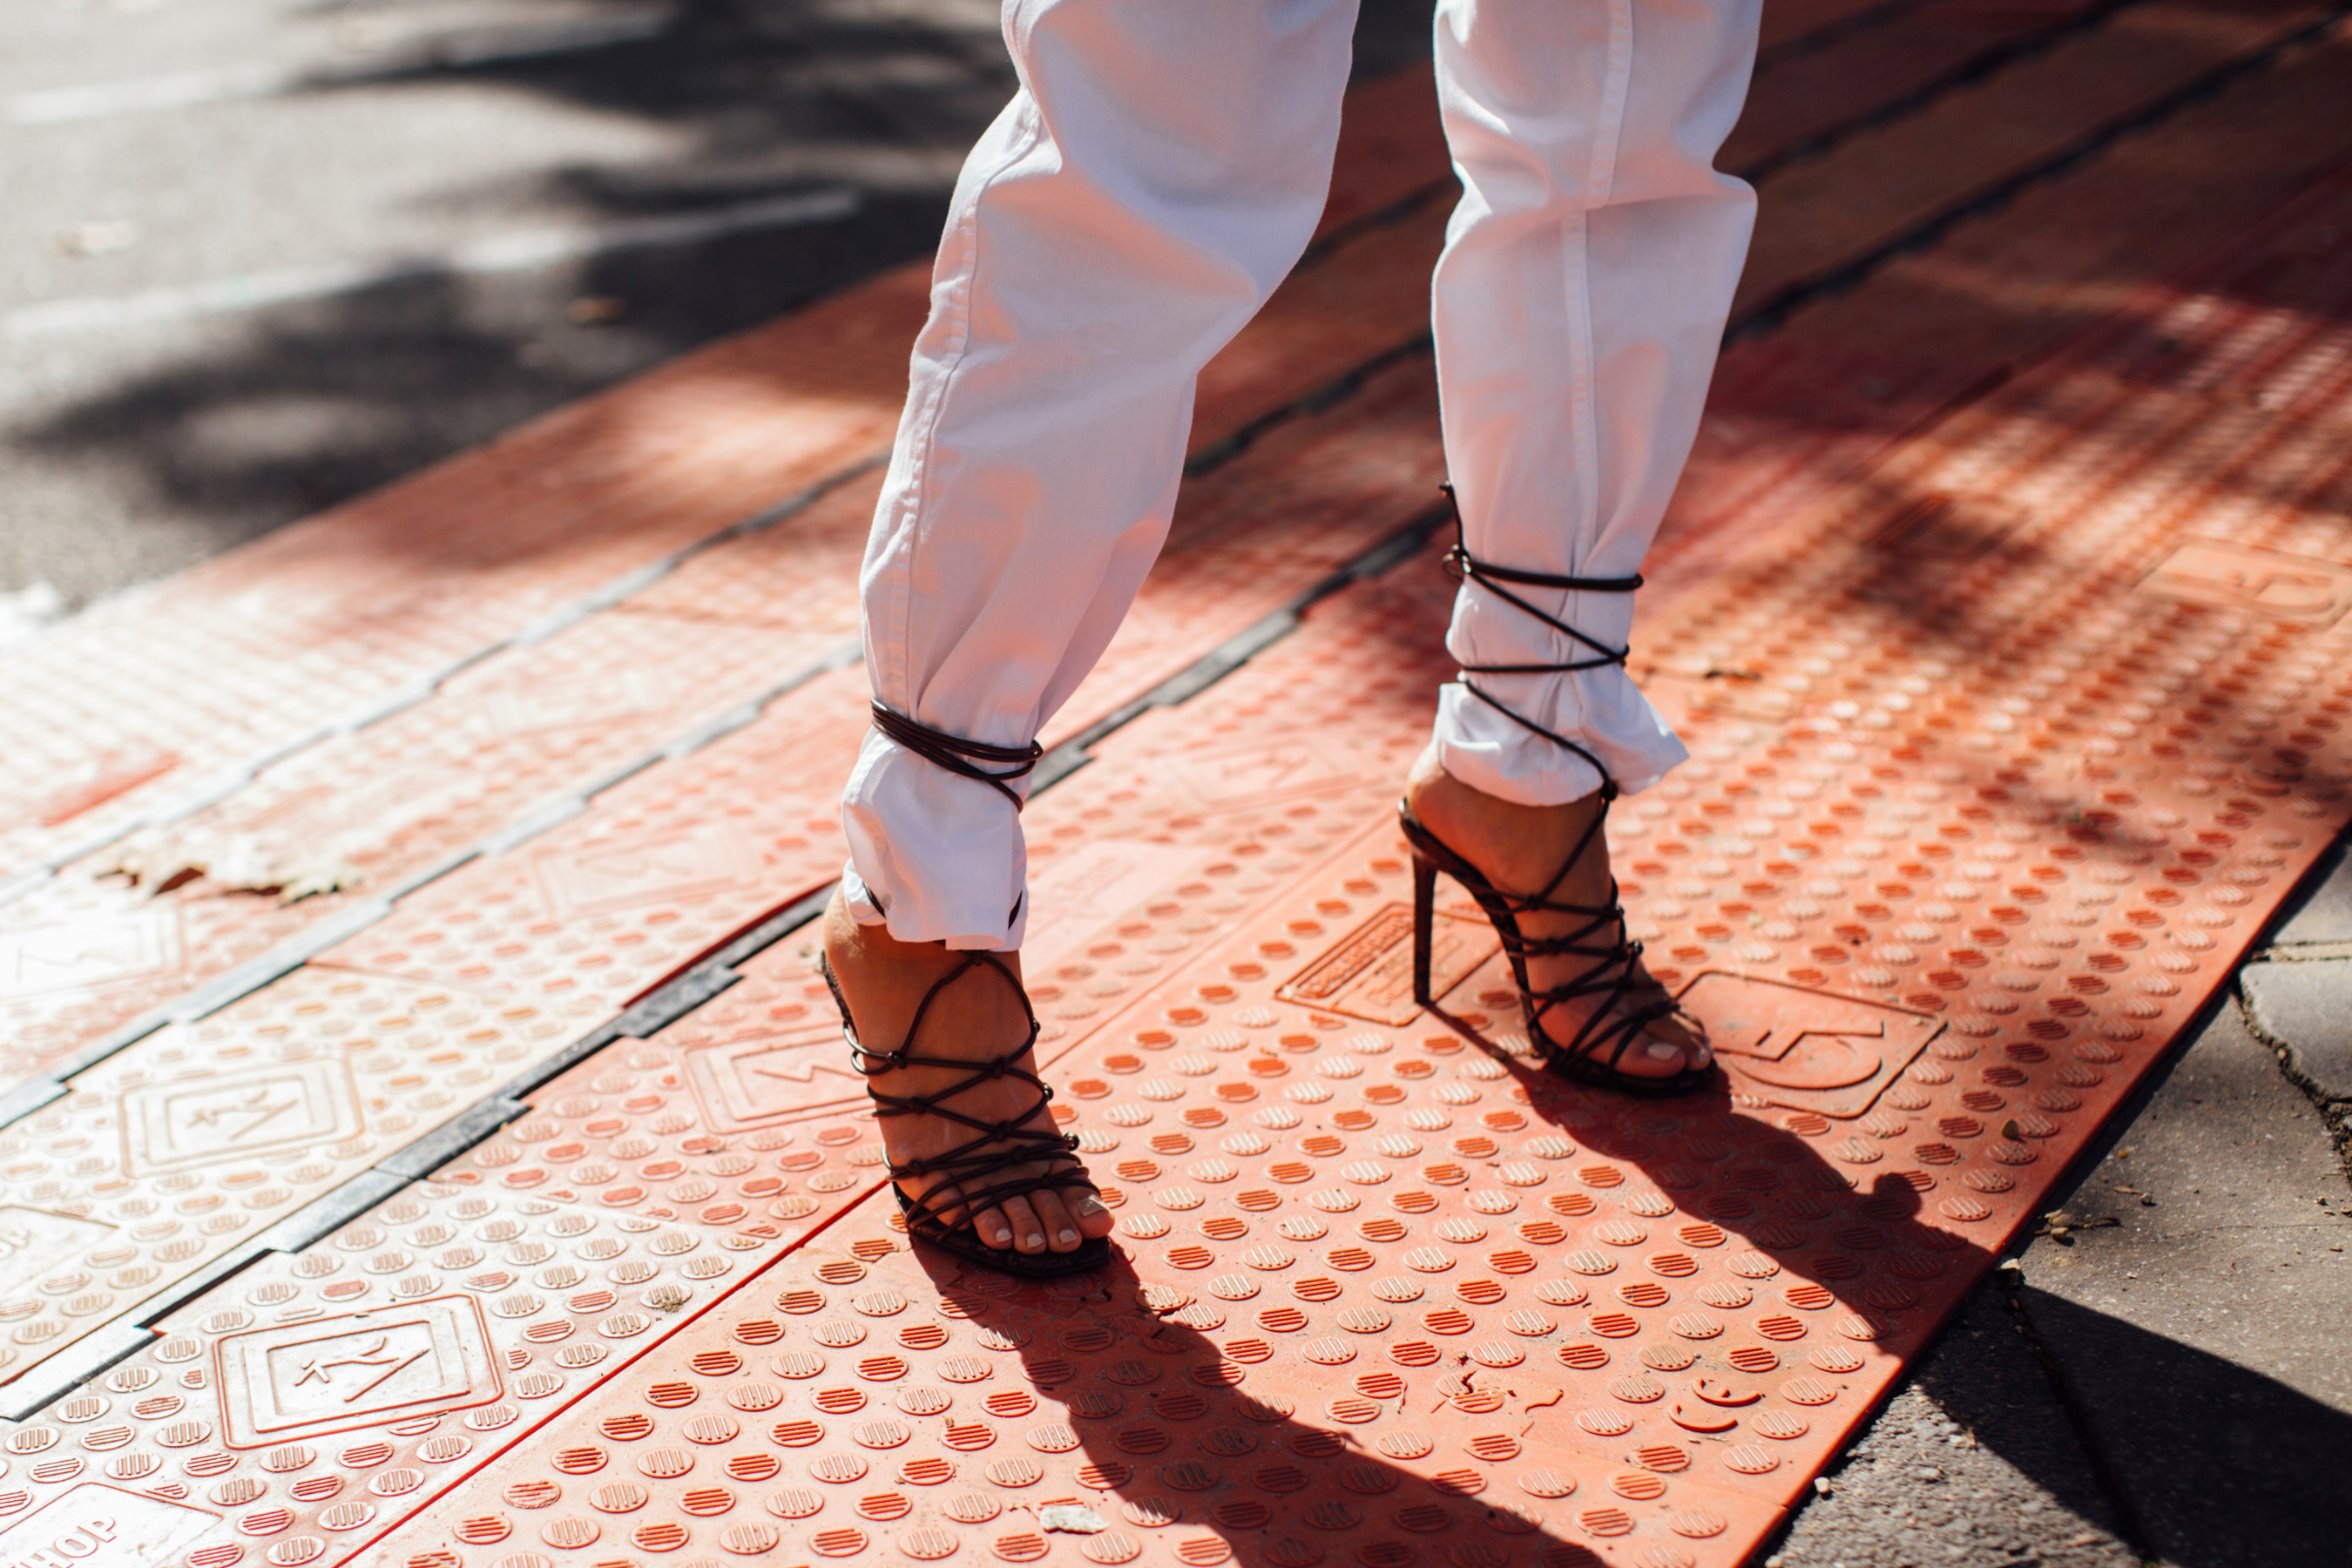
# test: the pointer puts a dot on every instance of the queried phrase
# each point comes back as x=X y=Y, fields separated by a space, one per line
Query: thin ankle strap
x=873 y=1063
x=960 y=756
x=1468 y=568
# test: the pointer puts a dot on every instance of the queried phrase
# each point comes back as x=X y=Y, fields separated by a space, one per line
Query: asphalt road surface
x=263 y=255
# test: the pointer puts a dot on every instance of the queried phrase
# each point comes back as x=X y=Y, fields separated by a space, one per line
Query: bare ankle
x=1554 y=853
x=1519 y=847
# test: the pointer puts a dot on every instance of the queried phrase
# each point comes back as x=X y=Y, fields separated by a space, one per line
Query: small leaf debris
x=2059 y=1225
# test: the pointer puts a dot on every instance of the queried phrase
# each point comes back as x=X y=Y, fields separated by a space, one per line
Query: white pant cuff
x=1602 y=711
x=933 y=856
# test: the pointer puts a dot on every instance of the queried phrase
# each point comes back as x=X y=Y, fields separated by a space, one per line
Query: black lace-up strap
x=960 y=756
x=1468 y=568
x=994 y=1147
x=1465 y=565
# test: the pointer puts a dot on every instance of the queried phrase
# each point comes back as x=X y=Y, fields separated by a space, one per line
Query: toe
x=1665 y=1057
x=1658 y=1053
x=1653 y=1057
x=1028 y=1232
x=1093 y=1215
x=1061 y=1228
x=995 y=1226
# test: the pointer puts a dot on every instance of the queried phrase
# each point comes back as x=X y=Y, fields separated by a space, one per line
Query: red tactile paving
x=82 y=956
x=662 y=1129
x=1881 y=68
x=920 y=1412
x=1997 y=292
x=86 y=953
x=1799 y=1234
x=1785 y=431
x=509 y=736
x=661 y=869
x=761 y=1061
x=96 y=734
x=799 y=572
x=1937 y=937
x=1821 y=214
x=706 y=1128
x=181 y=1148
x=1795 y=416
x=316 y=1399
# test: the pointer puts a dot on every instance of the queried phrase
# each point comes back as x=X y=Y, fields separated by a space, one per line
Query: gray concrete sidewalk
x=2169 y=1381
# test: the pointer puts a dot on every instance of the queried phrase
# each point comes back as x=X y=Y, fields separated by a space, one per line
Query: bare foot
x=977 y=1017
x=1518 y=847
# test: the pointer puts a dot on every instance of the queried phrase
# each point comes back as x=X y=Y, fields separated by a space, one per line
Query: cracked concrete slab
x=2307 y=1008
x=1972 y=1462
x=2197 y=1337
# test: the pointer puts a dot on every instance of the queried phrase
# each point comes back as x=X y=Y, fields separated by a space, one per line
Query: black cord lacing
x=996 y=1146
x=1465 y=567
x=960 y=756
x=1615 y=962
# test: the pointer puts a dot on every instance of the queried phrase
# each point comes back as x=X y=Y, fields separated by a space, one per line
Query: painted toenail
x=1033 y=1239
x=1066 y=1237
x=1662 y=1052
x=1092 y=1205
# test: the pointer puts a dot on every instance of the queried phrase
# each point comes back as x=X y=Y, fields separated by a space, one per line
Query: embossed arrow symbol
x=255 y=1105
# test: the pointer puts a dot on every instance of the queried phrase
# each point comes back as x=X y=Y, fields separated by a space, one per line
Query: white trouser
x=1162 y=167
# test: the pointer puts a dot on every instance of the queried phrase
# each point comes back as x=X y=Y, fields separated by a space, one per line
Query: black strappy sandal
x=1619 y=1022
x=962 y=1172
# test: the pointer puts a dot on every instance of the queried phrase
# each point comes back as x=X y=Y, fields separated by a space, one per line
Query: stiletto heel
x=1629 y=1000
x=1424 y=916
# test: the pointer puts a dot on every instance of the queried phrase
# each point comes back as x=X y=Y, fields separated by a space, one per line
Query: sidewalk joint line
x=609 y=595
x=2129 y=1525
x=1816 y=39
x=1773 y=311
x=1339 y=388
x=1985 y=63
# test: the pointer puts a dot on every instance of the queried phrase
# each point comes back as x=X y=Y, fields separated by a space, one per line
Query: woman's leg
x=1578 y=307
x=1159 y=171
